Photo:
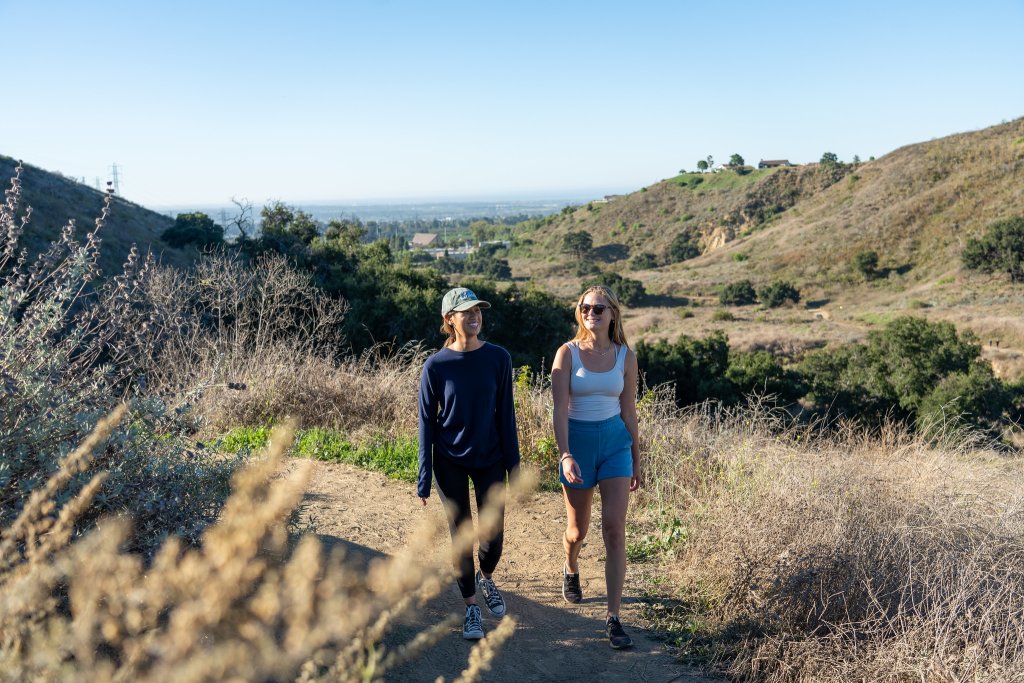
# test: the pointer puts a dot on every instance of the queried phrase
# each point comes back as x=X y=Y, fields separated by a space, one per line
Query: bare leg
x=577 y=511
x=614 y=502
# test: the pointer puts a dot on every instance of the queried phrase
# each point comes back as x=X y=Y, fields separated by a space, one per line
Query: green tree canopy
x=738 y=294
x=866 y=263
x=702 y=165
x=1001 y=249
x=736 y=160
x=193 y=228
x=578 y=243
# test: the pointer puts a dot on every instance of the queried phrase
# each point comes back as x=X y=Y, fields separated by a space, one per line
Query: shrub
x=866 y=263
x=738 y=294
x=684 y=246
x=630 y=292
x=643 y=261
x=778 y=293
x=68 y=352
x=695 y=367
x=1001 y=249
x=762 y=373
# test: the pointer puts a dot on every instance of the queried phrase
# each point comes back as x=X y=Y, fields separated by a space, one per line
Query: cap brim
x=466 y=305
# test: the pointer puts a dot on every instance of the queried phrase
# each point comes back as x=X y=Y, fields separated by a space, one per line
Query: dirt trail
x=372 y=515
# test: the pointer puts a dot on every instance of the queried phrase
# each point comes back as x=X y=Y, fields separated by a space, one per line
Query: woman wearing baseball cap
x=468 y=432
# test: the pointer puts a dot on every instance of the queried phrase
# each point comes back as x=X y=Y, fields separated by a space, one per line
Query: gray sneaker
x=472 y=628
x=492 y=598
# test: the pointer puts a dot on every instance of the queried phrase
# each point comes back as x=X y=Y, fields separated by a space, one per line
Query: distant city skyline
x=401 y=101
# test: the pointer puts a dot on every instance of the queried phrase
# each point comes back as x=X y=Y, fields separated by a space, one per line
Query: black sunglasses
x=598 y=309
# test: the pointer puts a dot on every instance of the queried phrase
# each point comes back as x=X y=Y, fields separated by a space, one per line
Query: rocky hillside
x=55 y=200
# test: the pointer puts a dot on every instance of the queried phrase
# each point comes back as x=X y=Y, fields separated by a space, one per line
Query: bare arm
x=627 y=403
x=560 y=373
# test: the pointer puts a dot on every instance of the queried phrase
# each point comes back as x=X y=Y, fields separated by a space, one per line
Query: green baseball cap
x=460 y=299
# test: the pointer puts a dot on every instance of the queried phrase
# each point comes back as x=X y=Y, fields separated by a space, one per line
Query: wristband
x=564 y=456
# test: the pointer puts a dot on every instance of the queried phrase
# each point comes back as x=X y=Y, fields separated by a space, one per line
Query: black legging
x=453 y=486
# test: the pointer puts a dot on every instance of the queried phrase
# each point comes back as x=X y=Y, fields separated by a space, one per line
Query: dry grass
x=242 y=606
x=843 y=557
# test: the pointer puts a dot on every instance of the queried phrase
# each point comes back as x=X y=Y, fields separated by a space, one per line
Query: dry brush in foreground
x=243 y=605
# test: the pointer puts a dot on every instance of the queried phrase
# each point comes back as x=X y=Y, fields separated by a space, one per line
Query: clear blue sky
x=202 y=101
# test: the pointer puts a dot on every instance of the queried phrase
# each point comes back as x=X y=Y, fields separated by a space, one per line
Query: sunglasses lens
x=598 y=309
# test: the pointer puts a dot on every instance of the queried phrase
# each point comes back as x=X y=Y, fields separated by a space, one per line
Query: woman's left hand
x=634 y=481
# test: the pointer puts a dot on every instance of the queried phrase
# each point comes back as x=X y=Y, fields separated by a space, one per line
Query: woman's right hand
x=571 y=470
x=423 y=500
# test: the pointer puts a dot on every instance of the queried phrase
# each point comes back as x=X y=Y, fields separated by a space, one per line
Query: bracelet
x=564 y=456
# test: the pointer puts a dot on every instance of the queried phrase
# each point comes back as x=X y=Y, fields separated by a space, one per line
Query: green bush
x=778 y=293
x=643 y=261
x=630 y=292
x=1001 y=249
x=866 y=263
x=685 y=245
x=738 y=294
x=760 y=372
x=696 y=367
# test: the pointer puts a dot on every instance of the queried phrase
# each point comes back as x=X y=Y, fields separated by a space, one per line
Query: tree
x=577 y=242
x=1000 y=250
x=711 y=162
x=778 y=293
x=695 y=366
x=738 y=294
x=684 y=246
x=866 y=263
x=193 y=228
x=829 y=159
x=736 y=160
x=702 y=165
x=280 y=220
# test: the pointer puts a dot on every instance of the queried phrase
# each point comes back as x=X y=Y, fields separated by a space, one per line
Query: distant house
x=424 y=240
x=773 y=163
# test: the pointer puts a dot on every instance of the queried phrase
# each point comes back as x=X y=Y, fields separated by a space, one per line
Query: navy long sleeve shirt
x=466 y=411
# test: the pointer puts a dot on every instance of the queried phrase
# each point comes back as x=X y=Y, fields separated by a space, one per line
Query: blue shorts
x=602 y=449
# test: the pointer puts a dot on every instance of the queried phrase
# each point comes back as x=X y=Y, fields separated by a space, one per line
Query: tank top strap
x=620 y=359
x=574 y=351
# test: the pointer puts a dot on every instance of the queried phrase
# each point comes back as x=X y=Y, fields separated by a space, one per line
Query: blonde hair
x=615 y=331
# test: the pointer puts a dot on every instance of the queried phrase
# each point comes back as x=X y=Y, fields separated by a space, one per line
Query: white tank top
x=594 y=396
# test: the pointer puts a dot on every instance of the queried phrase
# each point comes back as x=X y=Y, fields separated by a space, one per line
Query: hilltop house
x=424 y=240
x=773 y=163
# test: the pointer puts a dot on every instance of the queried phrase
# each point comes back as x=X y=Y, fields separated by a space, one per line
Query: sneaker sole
x=472 y=636
x=626 y=646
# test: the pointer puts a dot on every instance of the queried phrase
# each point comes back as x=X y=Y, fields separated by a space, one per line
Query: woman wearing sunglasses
x=468 y=432
x=594 y=380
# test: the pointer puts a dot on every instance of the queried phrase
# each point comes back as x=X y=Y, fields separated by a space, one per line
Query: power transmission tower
x=114 y=179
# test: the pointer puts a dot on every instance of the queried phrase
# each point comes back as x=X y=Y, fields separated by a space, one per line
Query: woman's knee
x=574 y=534
x=614 y=535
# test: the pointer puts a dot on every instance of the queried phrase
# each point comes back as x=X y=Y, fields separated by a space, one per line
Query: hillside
x=55 y=200
x=916 y=207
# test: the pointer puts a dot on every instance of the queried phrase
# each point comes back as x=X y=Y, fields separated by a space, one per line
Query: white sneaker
x=472 y=628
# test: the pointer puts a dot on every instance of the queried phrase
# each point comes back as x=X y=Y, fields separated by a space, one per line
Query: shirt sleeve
x=506 y=414
x=428 y=430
